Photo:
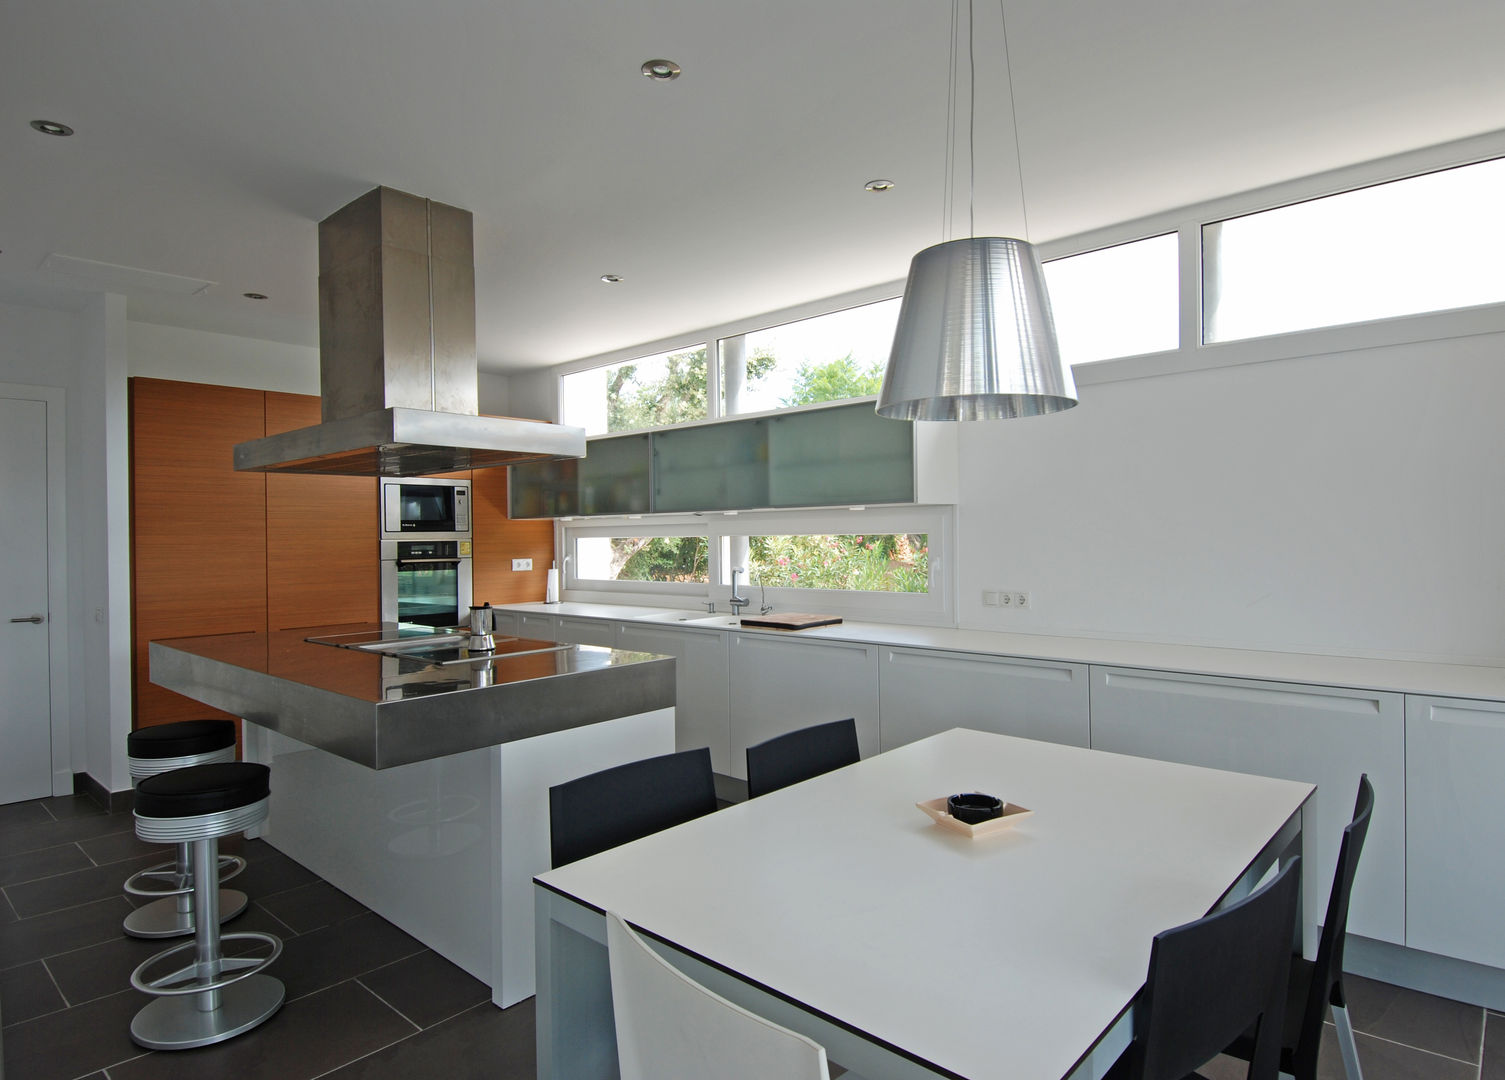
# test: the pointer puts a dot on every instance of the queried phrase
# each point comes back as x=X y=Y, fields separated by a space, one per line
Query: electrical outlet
x=1021 y=601
x=1005 y=599
x=522 y=564
x=989 y=598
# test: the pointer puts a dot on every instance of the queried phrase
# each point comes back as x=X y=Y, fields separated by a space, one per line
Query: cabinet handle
x=31 y=619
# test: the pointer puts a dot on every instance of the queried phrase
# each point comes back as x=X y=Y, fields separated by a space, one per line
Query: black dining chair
x=1317 y=984
x=1211 y=979
x=599 y=811
x=799 y=755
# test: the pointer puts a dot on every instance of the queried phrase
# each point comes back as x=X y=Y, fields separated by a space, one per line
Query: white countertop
x=1396 y=676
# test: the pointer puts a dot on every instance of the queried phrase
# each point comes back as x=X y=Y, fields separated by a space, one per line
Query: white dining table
x=837 y=908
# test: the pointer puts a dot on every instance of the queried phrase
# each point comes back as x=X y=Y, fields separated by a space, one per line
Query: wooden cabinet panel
x=321 y=536
x=499 y=540
x=198 y=528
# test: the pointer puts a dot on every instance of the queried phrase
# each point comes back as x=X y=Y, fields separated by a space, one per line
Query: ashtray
x=936 y=809
x=974 y=807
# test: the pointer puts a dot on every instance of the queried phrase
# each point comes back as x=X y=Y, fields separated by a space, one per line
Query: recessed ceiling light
x=661 y=70
x=51 y=127
x=878 y=185
x=254 y=295
x=611 y=279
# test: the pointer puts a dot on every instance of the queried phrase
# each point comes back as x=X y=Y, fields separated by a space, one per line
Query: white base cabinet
x=925 y=691
x=700 y=683
x=1322 y=735
x=570 y=631
x=1455 y=828
x=777 y=686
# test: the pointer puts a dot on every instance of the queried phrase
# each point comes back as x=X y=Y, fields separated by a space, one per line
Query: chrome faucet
x=737 y=600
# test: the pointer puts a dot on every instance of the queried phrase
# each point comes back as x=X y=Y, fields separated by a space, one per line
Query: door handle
x=32 y=619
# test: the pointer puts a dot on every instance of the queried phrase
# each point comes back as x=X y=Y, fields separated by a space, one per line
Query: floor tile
x=426 y=988
x=1383 y=1060
x=32 y=939
x=23 y=813
x=312 y=906
x=123 y=845
x=307 y=1038
x=27 y=991
x=104 y=969
x=69 y=806
x=1493 y=1065
x=76 y=887
x=43 y=862
x=68 y=1044
x=270 y=872
x=483 y=1043
x=15 y=839
x=311 y=962
x=1422 y=1020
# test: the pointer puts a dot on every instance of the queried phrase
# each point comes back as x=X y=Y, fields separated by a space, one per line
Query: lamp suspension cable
x=1008 y=67
x=948 y=219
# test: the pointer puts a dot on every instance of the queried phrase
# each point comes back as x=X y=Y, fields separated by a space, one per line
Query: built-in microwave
x=414 y=508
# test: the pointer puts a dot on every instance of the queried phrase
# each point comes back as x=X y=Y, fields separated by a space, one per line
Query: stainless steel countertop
x=380 y=711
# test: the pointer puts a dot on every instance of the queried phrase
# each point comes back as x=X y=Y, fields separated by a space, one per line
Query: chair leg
x=1346 y=1043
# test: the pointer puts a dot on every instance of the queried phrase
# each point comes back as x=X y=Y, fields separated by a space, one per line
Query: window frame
x=934 y=607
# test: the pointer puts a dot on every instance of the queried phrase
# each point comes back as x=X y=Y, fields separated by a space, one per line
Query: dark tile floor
x=364 y=1000
x=367 y=1002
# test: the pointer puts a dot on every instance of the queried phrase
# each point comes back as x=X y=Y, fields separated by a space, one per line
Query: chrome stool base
x=162 y=919
x=177 y=1023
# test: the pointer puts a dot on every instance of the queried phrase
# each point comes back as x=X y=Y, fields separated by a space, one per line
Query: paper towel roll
x=551 y=588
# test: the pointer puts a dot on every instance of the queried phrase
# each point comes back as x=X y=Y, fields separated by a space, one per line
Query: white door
x=25 y=675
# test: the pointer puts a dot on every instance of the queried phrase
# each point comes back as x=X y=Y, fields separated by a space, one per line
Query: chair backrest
x=611 y=807
x=1327 y=971
x=1213 y=979
x=668 y=1025
x=799 y=755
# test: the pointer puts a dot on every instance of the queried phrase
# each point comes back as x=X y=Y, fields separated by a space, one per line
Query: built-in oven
x=425 y=582
x=422 y=508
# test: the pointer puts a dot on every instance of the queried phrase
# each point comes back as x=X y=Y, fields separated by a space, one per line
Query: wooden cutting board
x=790 y=620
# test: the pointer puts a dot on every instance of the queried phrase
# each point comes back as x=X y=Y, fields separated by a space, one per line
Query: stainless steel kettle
x=480 y=629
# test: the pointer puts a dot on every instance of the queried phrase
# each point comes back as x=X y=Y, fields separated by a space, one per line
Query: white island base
x=444 y=849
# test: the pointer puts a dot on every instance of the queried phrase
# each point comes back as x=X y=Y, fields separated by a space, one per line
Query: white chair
x=669 y=1026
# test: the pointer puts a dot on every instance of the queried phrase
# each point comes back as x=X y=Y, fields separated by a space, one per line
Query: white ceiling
x=213 y=136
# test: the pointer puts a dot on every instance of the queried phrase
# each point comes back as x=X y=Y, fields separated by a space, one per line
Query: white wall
x=169 y=352
x=1340 y=503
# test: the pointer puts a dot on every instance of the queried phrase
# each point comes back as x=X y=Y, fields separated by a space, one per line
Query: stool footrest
x=173 y=881
x=190 y=980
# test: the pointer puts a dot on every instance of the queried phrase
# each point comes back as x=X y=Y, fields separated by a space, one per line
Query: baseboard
x=1445 y=976
x=113 y=801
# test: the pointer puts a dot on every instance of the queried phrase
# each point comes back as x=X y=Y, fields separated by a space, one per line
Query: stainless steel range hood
x=397 y=354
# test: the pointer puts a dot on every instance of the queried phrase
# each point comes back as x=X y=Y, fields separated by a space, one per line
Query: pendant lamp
x=975 y=338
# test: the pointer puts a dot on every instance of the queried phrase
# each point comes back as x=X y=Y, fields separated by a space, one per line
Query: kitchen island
x=417 y=779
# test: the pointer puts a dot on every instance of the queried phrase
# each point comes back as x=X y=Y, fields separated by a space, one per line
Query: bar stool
x=214 y=997
x=158 y=749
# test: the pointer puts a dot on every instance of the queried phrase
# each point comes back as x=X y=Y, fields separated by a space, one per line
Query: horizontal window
x=642 y=558
x=1117 y=301
x=854 y=562
x=652 y=391
x=1428 y=243
x=834 y=357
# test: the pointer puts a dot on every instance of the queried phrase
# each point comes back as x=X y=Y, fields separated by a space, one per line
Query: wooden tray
x=790 y=620
x=1012 y=812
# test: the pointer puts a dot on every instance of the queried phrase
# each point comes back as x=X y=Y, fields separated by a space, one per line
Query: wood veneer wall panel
x=198 y=528
x=499 y=540
x=322 y=544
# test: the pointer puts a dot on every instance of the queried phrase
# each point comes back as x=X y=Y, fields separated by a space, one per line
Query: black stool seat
x=181 y=739
x=202 y=789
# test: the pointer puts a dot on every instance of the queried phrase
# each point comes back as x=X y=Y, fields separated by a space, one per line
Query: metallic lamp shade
x=975 y=339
